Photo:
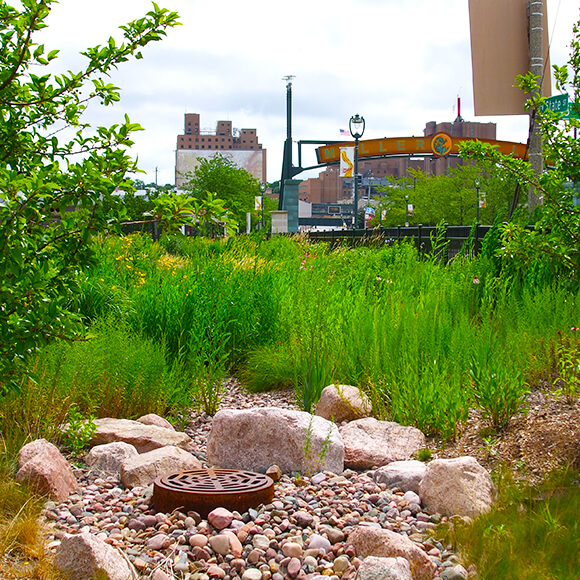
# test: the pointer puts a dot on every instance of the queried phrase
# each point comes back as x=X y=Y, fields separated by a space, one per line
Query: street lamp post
x=357 y=128
x=477 y=185
x=406 y=211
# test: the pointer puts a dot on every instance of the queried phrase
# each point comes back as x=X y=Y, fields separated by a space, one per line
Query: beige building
x=241 y=146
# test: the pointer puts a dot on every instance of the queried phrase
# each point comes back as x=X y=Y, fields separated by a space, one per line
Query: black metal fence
x=456 y=237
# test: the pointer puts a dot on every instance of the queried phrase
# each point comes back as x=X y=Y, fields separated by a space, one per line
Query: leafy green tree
x=55 y=191
x=450 y=198
x=555 y=240
x=226 y=181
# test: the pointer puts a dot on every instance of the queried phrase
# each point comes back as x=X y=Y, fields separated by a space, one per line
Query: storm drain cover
x=202 y=490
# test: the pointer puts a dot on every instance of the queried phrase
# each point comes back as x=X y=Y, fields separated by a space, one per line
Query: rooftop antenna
x=459 y=118
x=287 y=158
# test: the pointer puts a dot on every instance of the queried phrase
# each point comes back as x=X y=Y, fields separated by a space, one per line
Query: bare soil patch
x=536 y=441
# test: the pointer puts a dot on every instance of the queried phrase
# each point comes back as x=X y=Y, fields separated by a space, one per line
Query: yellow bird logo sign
x=346 y=161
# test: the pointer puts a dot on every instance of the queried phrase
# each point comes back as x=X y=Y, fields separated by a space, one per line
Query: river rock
x=458 y=486
x=253 y=439
x=372 y=443
x=143 y=437
x=220 y=518
x=340 y=403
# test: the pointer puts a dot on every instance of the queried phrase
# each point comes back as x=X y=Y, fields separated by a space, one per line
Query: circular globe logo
x=441 y=144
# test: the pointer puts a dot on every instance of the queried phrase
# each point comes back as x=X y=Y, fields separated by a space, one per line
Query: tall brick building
x=239 y=145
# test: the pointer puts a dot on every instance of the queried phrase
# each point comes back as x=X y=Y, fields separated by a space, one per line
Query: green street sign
x=573 y=109
x=556 y=104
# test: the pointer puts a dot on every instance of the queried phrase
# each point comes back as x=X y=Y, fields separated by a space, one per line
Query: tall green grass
x=531 y=533
x=285 y=312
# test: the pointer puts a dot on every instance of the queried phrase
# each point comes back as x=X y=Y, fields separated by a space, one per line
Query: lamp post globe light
x=356 y=126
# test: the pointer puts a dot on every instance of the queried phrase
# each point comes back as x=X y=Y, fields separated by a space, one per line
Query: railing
x=423 y=236
x=455 y=237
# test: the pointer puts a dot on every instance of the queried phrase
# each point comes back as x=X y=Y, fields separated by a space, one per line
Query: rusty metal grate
x=202 y=490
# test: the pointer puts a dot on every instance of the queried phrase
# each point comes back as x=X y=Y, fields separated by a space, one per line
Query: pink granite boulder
x=43 y=467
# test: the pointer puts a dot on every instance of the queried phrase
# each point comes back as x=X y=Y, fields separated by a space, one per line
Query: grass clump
x=531 y=533
x=22 y=537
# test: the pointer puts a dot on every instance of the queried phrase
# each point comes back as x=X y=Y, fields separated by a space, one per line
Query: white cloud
x=400 y=64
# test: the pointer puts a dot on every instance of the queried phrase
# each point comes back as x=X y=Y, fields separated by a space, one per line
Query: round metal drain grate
x=202 y=490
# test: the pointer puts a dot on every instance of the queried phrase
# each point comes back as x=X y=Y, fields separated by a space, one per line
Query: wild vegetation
x=96 y=325
x=167 y=322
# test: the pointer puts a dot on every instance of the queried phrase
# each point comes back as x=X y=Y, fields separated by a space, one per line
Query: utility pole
x=536 y=54
x=287 y=158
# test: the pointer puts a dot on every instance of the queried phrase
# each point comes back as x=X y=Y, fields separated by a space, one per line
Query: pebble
x=220 y=544
x=252 y=574
x=294 y=567
x=300 y=535
x=319 y=542
x=292 y=550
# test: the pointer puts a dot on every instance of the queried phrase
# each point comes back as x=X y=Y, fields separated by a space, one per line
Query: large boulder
x=372 y=443
x=86 y=557
x=340 y=403
x=254 y=439
x=458 y=486
x=143 y=437
x=381 y=543
x=41 y=465
x=110 y=456
x=142 y=470
x=404 y=474
x=373 y=568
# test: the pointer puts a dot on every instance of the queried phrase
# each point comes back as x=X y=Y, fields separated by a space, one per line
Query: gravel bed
x=301 y=534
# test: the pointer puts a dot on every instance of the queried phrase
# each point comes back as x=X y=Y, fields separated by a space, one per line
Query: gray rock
x=144 y=469
x=456 y=573
x=108 y=458
x=372 y=443
x=404 y=474
x=255 y=438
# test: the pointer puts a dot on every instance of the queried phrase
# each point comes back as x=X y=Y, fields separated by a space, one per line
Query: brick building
x=239 y=145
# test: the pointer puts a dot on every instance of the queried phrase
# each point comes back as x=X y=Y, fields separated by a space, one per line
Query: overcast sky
x=399 y=63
